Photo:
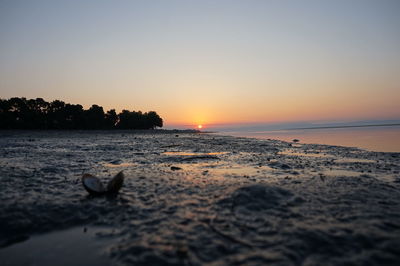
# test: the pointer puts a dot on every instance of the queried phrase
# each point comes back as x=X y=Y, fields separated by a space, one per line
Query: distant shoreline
x=323 y=127
x=299 y=128
x=372 y=137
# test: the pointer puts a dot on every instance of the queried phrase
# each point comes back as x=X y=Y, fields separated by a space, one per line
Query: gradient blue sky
x=207 y=62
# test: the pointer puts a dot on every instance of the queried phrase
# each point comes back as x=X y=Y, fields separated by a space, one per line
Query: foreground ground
x=195 y=199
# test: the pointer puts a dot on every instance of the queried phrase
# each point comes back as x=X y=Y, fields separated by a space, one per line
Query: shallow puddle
x=182 y=153
x=221 y=170
x=315 y=155
x=354 y=160
x=241 y=170
x=75 y=246
x=297 y=145
x=340 y=172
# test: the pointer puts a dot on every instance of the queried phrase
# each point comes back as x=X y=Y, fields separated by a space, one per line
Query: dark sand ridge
x=233 y=201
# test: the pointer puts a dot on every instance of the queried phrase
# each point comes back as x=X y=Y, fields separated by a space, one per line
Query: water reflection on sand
x=182 y=153
x=74 y=246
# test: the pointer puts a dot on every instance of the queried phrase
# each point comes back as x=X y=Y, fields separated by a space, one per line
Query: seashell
x=115 y=184
x=92 y=184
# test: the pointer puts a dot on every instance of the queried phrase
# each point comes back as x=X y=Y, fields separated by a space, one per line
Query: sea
x=371 y=138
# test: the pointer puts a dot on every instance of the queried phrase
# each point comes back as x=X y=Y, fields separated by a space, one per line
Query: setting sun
x=200 y=126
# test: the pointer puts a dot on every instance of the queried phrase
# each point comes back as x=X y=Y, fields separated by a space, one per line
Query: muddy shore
x=196 y=199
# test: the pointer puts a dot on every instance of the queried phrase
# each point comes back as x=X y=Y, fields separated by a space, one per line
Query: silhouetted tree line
x=22 y=113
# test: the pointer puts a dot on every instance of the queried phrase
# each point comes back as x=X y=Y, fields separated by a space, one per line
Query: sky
x=207 y=62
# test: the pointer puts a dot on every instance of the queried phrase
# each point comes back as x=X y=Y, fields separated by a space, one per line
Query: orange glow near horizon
x=191 y=74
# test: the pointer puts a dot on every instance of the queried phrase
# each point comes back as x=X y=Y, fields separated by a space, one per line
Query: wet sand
x=195 y=199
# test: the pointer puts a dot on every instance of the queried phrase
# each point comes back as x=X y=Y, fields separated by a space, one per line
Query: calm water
x=385 y=139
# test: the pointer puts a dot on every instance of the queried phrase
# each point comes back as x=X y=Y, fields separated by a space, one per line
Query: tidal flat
x=195 y=199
